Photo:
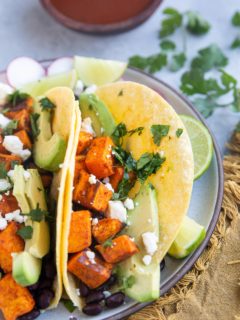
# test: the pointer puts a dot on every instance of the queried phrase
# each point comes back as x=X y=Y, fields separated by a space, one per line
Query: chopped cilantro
x=37 y=214
x=172 y=21
x=179 y=132
x=236 y=19
x=108 y=243
x=148 y=164
x=125 y=158
x=25 y=232
x=8 y=130
x=128 y=282
x=120 y=93
x=3 y=171
x=177 y=62
x=196 y=24
x=236 y=43
x=138 y=130
x=34 y=124
x=17 y=97
x=151 y=64
x=124 y=187
x=68 y=304
x=159 y=131
x=167 y=45
x=121 y=130
x=47 y=104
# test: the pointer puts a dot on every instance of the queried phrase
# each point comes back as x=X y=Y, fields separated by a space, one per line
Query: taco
x=35 y=144
x=128 y=188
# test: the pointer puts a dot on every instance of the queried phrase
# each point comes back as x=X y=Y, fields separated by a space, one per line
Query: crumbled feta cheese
x=91 y=89
x=15 y=216
x=78 y=88
x=91 y=256
x=4 y=185
x=3 y=223
x=61 y=165
x=5 y=90
x=107 y=294
x=136 y=204
x=14 y=145
x=87 y=126
x=24 y=154
x=106 y=180
x=94 y=221
x=150 y=242
x=26 y=175
x=92 y=179
x=147 y=259
x=78 y=292
x=7 y=193
x=161 y=153
x=109 y=187
x=4 y=121
x=129 y=204
x=10 y=174
x=116 y=210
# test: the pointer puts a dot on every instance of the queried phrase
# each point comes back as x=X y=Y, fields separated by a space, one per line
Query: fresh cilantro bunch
x=236 y=23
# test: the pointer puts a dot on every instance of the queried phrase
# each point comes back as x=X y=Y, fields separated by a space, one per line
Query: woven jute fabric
x=210 y=291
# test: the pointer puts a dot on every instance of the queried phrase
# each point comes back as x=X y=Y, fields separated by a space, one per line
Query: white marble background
x=26 y=29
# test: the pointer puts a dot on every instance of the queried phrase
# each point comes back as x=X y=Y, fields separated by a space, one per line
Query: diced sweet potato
x=9 y=242
x=80 y=236
x=8 y=203
x=79 y=165
x=121 y=249
x=93 y=196
x=7 y=159
x=26 y=104
x=23 y=136
x=23 y=117
x=84 y=141
x=14 y=299
x=99 y=159
x=46 y=180
x=117 y=177
x=2 y=149
x=92 y=272
x=106 y=228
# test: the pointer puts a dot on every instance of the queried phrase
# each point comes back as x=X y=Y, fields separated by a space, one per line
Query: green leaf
x=236 y=19
x=34 y=124
x=17 y=97
x=68 y=304
x=3 y=171
x=124 y=187
x=151 y=64
x=119 y=132
x=159 y=131
x=179 y=132
x=25 y=232
x=209 y=58
x=37 y=214
x=172 y=22
x=8 y=130
x=178 y=61
x=167 y=45
x=138 y=62
x=196 y=24
x=138 y=130
x=47 y=104
x=108 y=243
x=148 y=164
x=125 y=158
x=236 y=43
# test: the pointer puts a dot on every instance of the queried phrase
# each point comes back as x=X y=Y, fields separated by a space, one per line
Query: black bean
x=50 y=269
x=34 y=286
x=84 y=290
x=45 y=284
x=115 y=300
x=111 y=281
x=92 y=309
x=94 y=297
x=162 y=265
x=44 y=298
x=31 y=315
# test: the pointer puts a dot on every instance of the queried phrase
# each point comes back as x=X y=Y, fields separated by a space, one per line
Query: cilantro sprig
x=37 y=214
x=121 y=131
x=158 y=132
x=34 y=124
x=17 y=97
x=25 y=232
x=46 y=104
x=68 y=304
x=108 y=243
x=236 y=23
x=9 y=129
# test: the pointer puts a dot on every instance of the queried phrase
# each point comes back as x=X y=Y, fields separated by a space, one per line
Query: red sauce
x=100 y=11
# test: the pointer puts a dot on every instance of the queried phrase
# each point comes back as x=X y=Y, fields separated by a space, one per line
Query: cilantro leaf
x=46 y=104
x=167 y=45
x=138 y=130
x=124 y=187
x=159 y=131
x=121 y=131
x=8 y=130
x=107 y=243
x=125 y=158
x=68 y=304
x=17 y=97
x=196 y=24
x=236 y=19
x=138 y=62
x=178 y=61
x=172 y=22
x=236 y=43
x=179 y=132
x=25 y=232
x=37 y=214
x=151 y=64
x=3 y=171
x=148 y=164
x=34 y=124
x=209 y=58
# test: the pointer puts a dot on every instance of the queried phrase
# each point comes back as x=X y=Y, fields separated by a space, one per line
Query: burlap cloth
x=210 y=291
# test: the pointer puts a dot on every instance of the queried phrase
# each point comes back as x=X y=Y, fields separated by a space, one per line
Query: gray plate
x=204 y=208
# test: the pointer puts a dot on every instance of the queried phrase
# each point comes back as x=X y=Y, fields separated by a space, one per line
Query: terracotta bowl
x=109 y=16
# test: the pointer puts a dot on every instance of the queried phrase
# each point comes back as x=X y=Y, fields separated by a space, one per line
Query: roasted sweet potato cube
x=9 y=242
x=23 y=117
x=106 y=228
x=122 y=248
x=2 y=149
x=84 y=141
x=26 y=104
x=80 y=236
x=8 y=159
x=99 y=159
x=93 y=196
x=117 y=177
x=14 y=299
x=8 y=203
x=93 y=272
x=79 y=165
x=23 y=136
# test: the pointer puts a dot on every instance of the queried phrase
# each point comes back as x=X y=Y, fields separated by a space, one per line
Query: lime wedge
x=98 y=71
x=38 y=88
x=202 y=145
x=188 y=239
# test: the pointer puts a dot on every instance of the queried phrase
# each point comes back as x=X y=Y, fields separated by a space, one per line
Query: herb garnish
x=120 y=93
x=172 y=22
x=25 y=232
x=3 y=171
x=196 y=24
x=236 y=22
x=150 y=64
x=108 y=243
x=46 y=104
x=148 y=164
x=167 y=45
x=121 y=131
x=37 y=214
x=14 y=163
x=68 y=304
x=124 y=187
x=128 y=282
x=34 y=125
x=17 y=97
x=159 y=131
x=12 y=125
x=179 y=132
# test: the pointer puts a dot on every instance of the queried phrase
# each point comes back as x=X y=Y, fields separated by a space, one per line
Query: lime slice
x=98 y=71
x=38 y=88
x=202 y=145
x=188 y=239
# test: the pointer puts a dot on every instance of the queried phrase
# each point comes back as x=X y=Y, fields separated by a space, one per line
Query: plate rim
x=196 y=254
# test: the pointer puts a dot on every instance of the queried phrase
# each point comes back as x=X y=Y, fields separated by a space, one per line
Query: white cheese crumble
x=94 y=221
x=91 y=256
x=14 y=145
x=5 y=90
x=26 y=175
x=4 y=185
x=106 y=180
x=78 y=89
x=61 y=165
x=150 y=242
x=4 y=121
x=161 y=153
x=107 y=294
x=116 y=210
x=109 y=187
x=15 y=216
x=92 y=179
x=78 y=292
x=91 y=89
x=3 y=223
x=147 y=260
x=129 y=204
x=87 y=126
x=10 y=174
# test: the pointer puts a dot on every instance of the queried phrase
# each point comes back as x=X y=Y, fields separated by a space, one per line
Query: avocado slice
x=26 y=268
x=19 y=189
x=49 y=149
x=143 y=218
x=91 y=106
